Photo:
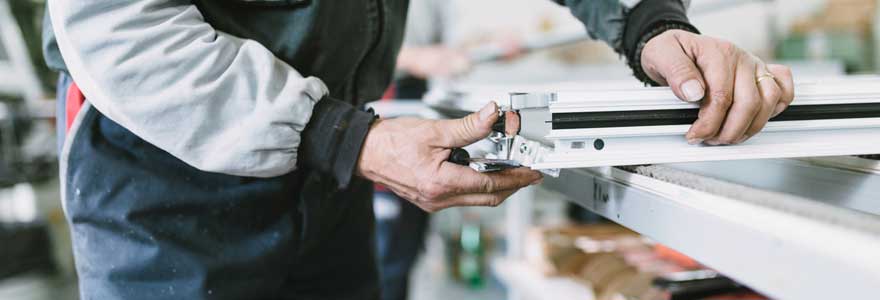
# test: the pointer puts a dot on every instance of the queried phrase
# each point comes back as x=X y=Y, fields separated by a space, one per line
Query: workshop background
x=569 y=253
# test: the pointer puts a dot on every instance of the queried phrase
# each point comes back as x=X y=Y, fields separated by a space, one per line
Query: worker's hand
x=433 y=61
x=409 y=156
x=739 y=92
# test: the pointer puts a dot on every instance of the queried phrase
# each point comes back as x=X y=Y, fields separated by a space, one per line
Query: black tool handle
x=460 y=157
x=500 y=124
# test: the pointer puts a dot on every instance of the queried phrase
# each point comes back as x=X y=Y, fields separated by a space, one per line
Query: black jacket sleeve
x=332 y=140
x=649 y=16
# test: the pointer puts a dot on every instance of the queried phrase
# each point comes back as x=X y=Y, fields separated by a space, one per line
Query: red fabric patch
x=390 y=93
x=380 y=188
x=75 y=100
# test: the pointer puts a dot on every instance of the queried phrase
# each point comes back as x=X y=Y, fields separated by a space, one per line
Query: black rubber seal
x=638 y=118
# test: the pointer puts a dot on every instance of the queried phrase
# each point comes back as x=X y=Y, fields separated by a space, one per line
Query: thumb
x=470 y=129
x=667 y=63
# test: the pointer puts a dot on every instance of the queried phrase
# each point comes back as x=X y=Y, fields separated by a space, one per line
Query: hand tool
x=462 y=157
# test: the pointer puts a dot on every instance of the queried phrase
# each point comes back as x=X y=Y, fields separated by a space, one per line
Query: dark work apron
x=145 y=225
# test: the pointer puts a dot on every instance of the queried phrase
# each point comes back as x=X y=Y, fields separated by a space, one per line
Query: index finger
x=464 y=180
x=718 y=72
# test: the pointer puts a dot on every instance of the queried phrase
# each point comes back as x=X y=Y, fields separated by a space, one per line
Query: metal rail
x=829 y=182
x=783 y=254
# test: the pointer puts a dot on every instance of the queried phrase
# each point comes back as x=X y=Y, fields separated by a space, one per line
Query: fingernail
x=742 y=139
x=539 y=181
x=487 y=111
x=713 y=142
x=695 y=141
x=778 y=110
x=693 y=90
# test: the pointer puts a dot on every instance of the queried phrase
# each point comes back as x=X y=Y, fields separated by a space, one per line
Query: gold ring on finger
x=764 y=76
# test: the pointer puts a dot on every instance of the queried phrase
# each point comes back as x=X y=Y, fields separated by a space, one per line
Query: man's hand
x=739 y=92
x=409 y=156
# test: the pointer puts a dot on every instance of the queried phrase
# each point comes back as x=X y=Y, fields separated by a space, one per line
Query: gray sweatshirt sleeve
x=219 y=103
x=621 y=22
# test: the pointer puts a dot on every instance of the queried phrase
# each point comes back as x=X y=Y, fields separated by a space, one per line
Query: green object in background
x=854 y=49
x=792 y=48
x=466 y=245
x=471 y=258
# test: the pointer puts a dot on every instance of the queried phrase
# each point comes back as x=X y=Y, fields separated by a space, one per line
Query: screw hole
x=599 y=144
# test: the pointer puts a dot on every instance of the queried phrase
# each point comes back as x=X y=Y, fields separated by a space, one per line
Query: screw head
x=599 y=144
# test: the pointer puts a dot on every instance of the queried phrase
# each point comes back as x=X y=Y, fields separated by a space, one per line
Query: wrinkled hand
x=409 y=157
x=735 y=105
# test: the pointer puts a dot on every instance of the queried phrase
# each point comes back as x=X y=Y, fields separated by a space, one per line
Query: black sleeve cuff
x=332 y=140
x=648 y=19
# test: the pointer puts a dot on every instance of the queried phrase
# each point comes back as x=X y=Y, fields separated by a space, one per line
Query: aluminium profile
x=647 y=126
